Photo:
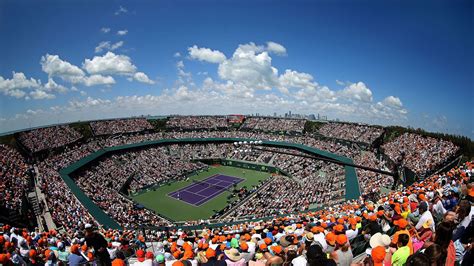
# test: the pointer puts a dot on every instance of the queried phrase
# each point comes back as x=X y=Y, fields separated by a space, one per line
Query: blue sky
x=382 y=62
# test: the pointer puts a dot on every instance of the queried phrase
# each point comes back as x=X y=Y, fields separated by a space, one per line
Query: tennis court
x=201 y=192
x=160 y=200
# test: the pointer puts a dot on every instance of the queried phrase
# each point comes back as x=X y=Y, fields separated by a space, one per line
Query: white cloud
x=122 y=32
x=121 y=10
x=17 y=84
x=358 y=91
x=251 y=66
x=241 y=77
x=212 y=98
x=53 y=86
x=276 y=48
x=206 y=54
x=229 y=89
x=33 y=112
x=41 y=94
x=250 y=47
x=183 y=94
x=104 y=46
x=295 y=79
x=393 y=101
x=110 y=64
x=183 y=76
x=316 y=95
x=390 y=108
x=96 y=79
x=105 y=30
x=54 y=66
x=142 y=77
x=116 y=45
x=177 y=54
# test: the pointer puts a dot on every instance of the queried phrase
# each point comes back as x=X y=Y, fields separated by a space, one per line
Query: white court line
x=207 y=198
x=189 y=186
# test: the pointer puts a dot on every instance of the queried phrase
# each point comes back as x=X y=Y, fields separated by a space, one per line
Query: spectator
x=436 y=255
x=49 y=137
x=109 y=127
x=400 y=256
x=352 y=132
x=98 y=242
x=378 y=255
x=75 y=259
x=402 y=230
x=421 y=154
x=271 y=124
x=418 y=259
x=426 y=216
x=234 y=258
x=343 y=255
x=197 y=122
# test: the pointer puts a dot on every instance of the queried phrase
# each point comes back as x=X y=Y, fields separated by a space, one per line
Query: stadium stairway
x=44 y=215
x=34 y=203
x=245 y=200
x=271 y=160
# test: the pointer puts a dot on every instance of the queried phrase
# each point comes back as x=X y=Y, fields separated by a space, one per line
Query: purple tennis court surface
x=202 y=191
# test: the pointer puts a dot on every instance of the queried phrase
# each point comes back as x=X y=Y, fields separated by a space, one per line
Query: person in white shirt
x=112 y=251
x=352 y=233
x=299 y=261
x=425 y=216
x=321 y=239
x=252 y=247
x=438 y=208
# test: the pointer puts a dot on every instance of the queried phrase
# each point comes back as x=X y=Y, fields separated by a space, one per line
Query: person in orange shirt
x=402 y=229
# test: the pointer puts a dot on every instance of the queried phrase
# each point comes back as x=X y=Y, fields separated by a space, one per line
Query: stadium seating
x=283 y=229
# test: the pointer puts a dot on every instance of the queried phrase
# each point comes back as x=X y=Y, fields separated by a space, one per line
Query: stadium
x=236 y=133
x=143 y=181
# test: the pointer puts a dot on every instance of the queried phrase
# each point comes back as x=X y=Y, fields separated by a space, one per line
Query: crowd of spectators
x=147 y=167
x=197 y=122
x=115 y=126
x=14 y=178
x=369 y=181
x=270 y=124
x=53 y=184
x=48 y=137
x=351 y=132
x=419 y=153
x=159 y=165
x=427 y=223
x=281 y=194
